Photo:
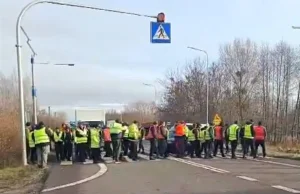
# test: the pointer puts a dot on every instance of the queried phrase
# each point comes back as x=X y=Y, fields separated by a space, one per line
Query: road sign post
x=160 y=32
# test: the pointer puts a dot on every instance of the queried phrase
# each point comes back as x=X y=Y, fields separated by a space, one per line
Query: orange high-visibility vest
x=106 y=135
x=179 y=130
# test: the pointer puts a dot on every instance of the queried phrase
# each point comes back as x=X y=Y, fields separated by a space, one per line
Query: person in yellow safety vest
x=116 y=135
x=202 y=134
x=27 y=130
x=81 y=138
x=125 y=141
x=32 y=146
x=59 y=144
x=208 y=142
x=248 y=136
x=233 y=136
x=133 y=137
x=192 y=137
x=141 y=140
x=41 y=137
x=94 y=138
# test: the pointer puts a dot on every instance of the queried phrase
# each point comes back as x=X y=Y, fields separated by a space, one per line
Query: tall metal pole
x=33 y=91
x=207 y=79
x=19 y=55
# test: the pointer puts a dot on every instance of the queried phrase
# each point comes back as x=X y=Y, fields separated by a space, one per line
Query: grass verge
x=21 y=180
x=279 y=152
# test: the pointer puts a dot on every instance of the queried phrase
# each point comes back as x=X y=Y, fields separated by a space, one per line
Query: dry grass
x=21 y=179
x=10 y=133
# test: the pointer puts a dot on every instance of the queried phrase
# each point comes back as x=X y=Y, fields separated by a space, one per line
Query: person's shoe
x=117 y=162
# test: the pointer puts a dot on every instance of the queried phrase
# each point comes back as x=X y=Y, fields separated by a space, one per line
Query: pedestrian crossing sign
x=217 y=120
x=160 y=32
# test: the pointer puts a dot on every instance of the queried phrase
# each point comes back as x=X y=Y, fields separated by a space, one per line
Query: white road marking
x=103 y=169
x=247 y=178
x=218 y=170
x=285 y=189
x=66 y=163
x=88 y=162
x=127 y=159
x=147 y=157
x=278 y=163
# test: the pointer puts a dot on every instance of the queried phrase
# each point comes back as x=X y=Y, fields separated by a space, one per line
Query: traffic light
x=161 y=17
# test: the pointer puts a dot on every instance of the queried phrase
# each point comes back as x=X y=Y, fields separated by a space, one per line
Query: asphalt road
x=179 y=176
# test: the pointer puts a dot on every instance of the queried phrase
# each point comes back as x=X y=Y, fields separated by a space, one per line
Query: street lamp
x=207 y=78
x=19 y=54
x=34 y=96
x=155 y=91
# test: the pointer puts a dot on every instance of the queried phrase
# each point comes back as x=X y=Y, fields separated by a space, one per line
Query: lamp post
x=19 y=54
x=207 y=79
x=34 y=95
x=155 y=91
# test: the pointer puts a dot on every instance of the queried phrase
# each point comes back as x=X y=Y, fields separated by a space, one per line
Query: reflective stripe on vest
x=95 y=138
x=30 y=140
x=232 y=132
x=247 y=132
x=58 y=138
x=116 y=128
x=259 y=132
x=83 y=139
x=191 y=136
x=218 y=133
x=106 y=135
x=40 y=136
x=179 y=130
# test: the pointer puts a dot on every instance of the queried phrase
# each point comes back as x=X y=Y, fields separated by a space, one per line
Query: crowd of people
x=123 y=139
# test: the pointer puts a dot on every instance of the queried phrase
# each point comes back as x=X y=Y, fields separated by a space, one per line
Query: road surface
x=178 y=176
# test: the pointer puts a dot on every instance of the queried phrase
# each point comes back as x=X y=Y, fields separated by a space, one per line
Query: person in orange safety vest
x=107 y=142
x=219 y=140
x=260 y=134
x=180 y=139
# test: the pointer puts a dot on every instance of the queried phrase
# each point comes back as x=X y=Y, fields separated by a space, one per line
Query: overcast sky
x=113 y=53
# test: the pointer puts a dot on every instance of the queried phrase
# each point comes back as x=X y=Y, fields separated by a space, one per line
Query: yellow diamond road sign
x=217 y=120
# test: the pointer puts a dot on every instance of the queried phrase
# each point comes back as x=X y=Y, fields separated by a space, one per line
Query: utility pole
x=207 y=80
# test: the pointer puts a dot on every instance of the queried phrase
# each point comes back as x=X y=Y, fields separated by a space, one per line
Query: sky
x=112 y=53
